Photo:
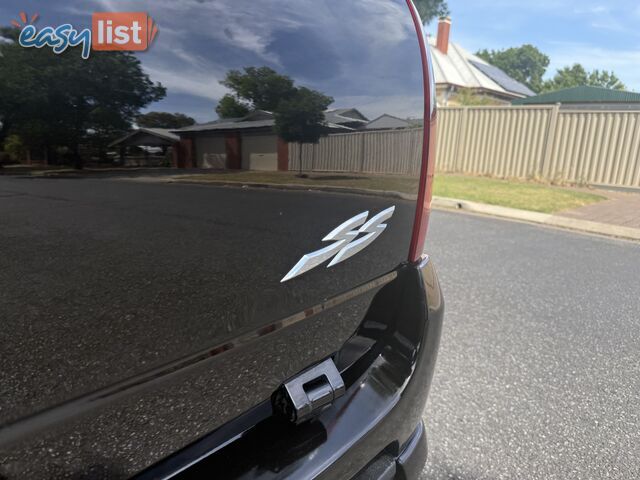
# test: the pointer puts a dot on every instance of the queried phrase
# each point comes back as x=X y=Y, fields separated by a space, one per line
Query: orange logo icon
x=122 y=31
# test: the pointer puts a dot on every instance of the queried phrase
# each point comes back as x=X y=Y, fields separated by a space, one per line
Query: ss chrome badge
x=346 y=242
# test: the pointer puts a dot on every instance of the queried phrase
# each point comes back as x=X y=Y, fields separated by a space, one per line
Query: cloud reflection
x=364 y=52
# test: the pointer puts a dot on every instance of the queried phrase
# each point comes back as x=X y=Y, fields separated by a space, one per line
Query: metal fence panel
x=392 y=151
x=577 y=146
x=500 y=141
x=389 y=151
x=596 y=147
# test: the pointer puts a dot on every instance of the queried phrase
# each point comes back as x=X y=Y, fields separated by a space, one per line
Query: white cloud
x=592 y=9
x=357 y=52
x=609 y=24
x=108 y=5
x=75 y=10
x=200 y=84
x=251 y=26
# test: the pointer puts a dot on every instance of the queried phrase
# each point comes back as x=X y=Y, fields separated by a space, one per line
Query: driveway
x=538 y=373
x=620 y=208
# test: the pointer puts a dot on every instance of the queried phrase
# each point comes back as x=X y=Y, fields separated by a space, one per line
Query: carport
x=154 y=146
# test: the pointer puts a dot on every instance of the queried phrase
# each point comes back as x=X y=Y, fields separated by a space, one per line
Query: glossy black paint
x=388 y=365
x=140 y=316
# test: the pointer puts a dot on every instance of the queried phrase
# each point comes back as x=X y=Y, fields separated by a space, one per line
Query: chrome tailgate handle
x=309 y=393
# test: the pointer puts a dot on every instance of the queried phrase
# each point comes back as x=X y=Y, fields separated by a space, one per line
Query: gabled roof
x=257 y=115
x=463 y=69
x=227 y=125
x=264 y=119
x=386 y=121
x=345 y=115
x=253 y=119
x=582 y=94
x=162 y=133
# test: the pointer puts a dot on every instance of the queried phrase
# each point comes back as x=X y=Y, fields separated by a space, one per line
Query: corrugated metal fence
x=577 y=146
x=390 y=151
x=506 y=142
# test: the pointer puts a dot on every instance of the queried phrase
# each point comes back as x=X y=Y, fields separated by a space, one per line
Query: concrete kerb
x=539 y=218
x=295 y=186
x=443 y=203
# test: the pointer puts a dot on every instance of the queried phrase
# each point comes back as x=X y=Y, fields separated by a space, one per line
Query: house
x=387 y=122
x=456 y=69
x=250 y=142
x=586 y=98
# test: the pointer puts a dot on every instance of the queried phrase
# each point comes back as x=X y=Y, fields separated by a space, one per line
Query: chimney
x=442 y=41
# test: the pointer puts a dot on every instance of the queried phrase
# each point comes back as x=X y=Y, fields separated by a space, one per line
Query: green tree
x=430 y=9
x=52 y=101
x=258 y=88
x=525 y=64
x=605 y=79
x=466 y=97
x=576 y=75
x=230 y=107
x=300 y=118
x=298 y=111
x=164 y=120
x=14 y=147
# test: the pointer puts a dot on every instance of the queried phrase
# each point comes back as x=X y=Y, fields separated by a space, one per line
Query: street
x=538 y=374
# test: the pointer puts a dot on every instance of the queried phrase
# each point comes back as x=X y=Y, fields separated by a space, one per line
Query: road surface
x=538 y=375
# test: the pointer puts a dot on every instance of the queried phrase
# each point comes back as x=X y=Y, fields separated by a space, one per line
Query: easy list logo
x=124 y=31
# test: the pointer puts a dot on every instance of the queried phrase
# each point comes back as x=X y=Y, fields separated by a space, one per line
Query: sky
x=363 y=53
x=597 y=34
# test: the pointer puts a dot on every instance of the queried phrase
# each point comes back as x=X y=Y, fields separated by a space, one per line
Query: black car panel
x=142 y=312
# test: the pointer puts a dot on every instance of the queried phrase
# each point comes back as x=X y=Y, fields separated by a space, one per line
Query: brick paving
x=620 y=208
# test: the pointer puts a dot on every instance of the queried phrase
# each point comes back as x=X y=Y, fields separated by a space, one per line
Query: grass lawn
x=507 y=193
x=396 y=183
x=512 y=193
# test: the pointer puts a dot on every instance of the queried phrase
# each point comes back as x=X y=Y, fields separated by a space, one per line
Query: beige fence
x=579 y=146
x=390 y=151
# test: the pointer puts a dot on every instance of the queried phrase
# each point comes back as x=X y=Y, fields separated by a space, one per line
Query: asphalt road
x=538 y=375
